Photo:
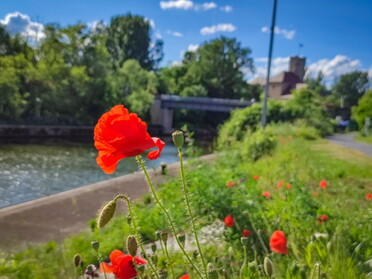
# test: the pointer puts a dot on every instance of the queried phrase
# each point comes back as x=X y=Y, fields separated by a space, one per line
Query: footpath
x=54 y=217
x=348 y=140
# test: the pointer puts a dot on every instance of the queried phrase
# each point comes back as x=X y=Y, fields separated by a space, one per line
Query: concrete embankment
x=60 y=215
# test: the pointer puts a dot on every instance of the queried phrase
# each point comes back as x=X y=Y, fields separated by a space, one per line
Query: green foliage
x=350 y=87
x=363 y=110
x=256 y=145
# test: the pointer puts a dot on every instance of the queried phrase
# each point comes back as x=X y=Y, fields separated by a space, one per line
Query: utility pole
x=272 y=31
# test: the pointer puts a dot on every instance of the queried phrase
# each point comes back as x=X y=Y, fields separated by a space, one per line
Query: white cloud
x=20 y=23
x=158 y=36
x=192 y=48
x=370 y=73
x=178 y=4
x=176 y=64
x=226 y=9
x=288 y=34
x=222 y=27
x=151 y=22
x=174 y=33
x=278 y=65
x=333 y=68
x=187 y=5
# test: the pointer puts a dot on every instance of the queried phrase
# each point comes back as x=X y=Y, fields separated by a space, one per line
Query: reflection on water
x=29 y=171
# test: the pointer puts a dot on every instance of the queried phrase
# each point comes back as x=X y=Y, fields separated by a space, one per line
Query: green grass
x=342 y=245
x=366 y=139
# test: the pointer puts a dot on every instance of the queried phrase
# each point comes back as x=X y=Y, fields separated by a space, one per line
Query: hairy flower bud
x=164 y=237
x=106 y=214
x=95 y=245
x=178 y=138
x=153 y=247
x=77 y=260
x=132 y=245
x=182 y=238
x=268 y=267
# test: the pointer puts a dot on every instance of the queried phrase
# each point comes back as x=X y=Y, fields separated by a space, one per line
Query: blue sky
x=336 y=35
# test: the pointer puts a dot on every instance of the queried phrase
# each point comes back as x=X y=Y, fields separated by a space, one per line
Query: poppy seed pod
x=164 y=236
x=182 y=238
x=106 y=214
x=77 y=260
x=132 y=245
x=95 y=245
x=178 y=138
x=268 y=267
x=153 y=247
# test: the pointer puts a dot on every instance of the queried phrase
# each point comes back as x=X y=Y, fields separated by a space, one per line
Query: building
x=281 y=85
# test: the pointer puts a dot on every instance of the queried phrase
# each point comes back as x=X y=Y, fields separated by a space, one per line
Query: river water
x=30 y=171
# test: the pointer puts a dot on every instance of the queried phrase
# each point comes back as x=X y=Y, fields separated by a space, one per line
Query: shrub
x=363 y=110
x=258 y=144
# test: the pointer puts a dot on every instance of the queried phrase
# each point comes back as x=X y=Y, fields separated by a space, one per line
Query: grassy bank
x=291 y=174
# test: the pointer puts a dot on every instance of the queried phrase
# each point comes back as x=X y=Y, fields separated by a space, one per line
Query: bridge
x=163 y=106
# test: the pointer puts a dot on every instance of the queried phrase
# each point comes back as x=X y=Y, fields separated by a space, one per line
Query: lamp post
x=266 y=94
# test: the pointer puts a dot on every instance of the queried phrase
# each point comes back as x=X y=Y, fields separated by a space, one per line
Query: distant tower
x=297 y=66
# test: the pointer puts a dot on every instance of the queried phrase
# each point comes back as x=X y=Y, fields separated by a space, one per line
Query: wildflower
x=186 y=276
x=278 y=242
x=91 y=271
x=120 y=134
x=323 y=218
x=289 y=186
x=323 y=184
x=229 y=221
x=290 y=137
x=368 y=196
x=246 y=233
x=230 y=184
x=256 y=177
x=122 y=265
x=315 y=194
x=266 y=194
x=279 y=184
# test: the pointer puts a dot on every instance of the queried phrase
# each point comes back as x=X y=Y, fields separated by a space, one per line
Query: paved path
x=57 y=216
x=348 y=140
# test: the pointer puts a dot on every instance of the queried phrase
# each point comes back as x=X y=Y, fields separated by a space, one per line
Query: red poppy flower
x=323 y=218
x=121 y=265
x=323 y=184
x=246 y=233
x=266 y=194
x=120 y=134
x=315 y=194
x=229 y=221
x=368 y=196
x=279 y=184
x=230 y=184
x=278 y=242
x=290 y=137
x=256 y=177
x=289 y=186
x=186 y=276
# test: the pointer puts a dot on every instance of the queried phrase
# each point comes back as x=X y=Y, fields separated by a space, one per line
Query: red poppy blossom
x=368 y=196
x=323 y=184
x=186 y=276
x=230 y=184
x=229 y=221
x=256 y=177
x=323 y=218
x=279 y=184
x=289 y=186
x=278 y=242
x=120 y=134
x=266 y=194
x=121 y=265
x=246 y=233
x=315 y=194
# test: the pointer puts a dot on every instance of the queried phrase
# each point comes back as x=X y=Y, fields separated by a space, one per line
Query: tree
x=363 y=110
x=317 y=84
x=350 y=87
x=128 y=37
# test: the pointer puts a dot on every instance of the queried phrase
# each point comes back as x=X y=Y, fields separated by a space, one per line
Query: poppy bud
x=132 y=245
x=106 y=214
x=153 y=247
x=178 y=138
x=82 y=263
x=268 y=267
x=77 y=260
x=244 y=240
x=164 y=237
x=195 y=254
x=182 y=238
x=95 y=245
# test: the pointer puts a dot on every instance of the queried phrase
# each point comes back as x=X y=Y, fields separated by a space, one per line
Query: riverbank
x=54 y=217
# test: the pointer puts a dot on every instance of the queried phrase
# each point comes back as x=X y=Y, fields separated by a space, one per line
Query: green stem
x=165 y=250
x=135 y=229
x=244 y=266
x=184 y=186
x=258 y=234
x=99 y=261
x=136 y=267
x=151 y=186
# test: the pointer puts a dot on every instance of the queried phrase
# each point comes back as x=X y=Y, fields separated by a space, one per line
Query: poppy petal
x=139 y=260
x=106 y=268
x=108 y=162
x=114 y=256
x=153 y=155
